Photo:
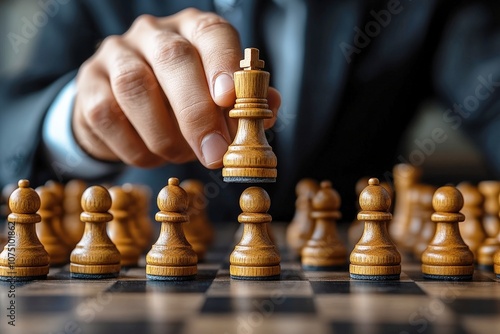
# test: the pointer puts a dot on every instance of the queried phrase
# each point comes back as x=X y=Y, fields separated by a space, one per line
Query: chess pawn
x=23 y=258
x=58 y=253
x=171 y=258
x=491 y=220
x=119 y=228
x=250 y=157
x=447 y=257
x=255 y=257
x=324 y=250
x=375 y=256
x=472 y=230
x=301 y=227
x=57 y=189
x=95 y=256
x=405 y=177
x=356 y=228
x=141 y=226
x=199 y=231
x=428 y=226
x=73 y=192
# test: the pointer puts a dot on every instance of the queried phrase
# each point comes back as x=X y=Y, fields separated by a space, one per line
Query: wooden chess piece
x=356 y=228
x=73 y=191
x=428 y=226
x=57 y=189
x=324 y=250
x=140 y=223
x=375 y=256
x=491 y=245
x=24 y=258
x=250 y=158
x=471 y=229
x=171 y=258
x=58 y=252
x=406 y=176
x=255 y=257
x=95 y=256
x=491 y=221
x=119 y=228
x=301 y=227
x=447 y=257
x=199 y=231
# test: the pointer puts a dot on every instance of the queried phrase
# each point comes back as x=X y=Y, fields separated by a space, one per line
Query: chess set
x=81 y=259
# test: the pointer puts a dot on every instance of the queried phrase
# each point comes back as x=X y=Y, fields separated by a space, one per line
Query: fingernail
x=223 y=84
x=213 y=148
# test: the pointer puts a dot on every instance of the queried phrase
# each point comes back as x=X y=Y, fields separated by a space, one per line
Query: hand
x=160 y=92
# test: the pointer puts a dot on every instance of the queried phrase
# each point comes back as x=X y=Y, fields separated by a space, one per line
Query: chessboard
x=299 y=302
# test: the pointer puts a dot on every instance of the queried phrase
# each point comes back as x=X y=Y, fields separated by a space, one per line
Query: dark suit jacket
x=360 y=88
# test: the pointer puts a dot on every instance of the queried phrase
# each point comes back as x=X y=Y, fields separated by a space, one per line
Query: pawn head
x=327 y=198
x=172 y=198
x=447 y=199
x=48 y=200
x=255 y=199
x=96 y=199
x=24 y=199
x=120 y=198
x=374 y=197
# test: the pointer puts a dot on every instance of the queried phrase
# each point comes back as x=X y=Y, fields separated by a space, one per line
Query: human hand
x=160 y=92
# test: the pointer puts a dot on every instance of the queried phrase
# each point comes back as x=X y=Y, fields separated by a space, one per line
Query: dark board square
x=396 y=328
x=265 y=306
x=471 y=306
x=47 y=304
x=376 y=287
x=142 y=327
x=199 y=285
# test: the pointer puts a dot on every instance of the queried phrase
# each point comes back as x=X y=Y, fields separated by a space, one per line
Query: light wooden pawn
x=24 y=258
x=141 y=224
x=172 y=258
x=46 y=232
x=301 y=227
x=199 y=230
x=255 y=257
x=447 y=257
x=250 y=159
x=324 y=250
x=119 y=229
x=95 y=256
x=375 y=256
x=428 y=226
x=491 y=220
x=73 y=191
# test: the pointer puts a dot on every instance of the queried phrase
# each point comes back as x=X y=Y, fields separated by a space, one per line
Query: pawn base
x=171 y=273
x=256 y=278
x=254 y=273
x=448 y=277
x=170 y=278
x=375 y=277
x=22 y=278
x=241 y=179
x=93 y=276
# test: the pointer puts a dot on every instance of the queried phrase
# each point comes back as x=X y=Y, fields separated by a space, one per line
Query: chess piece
x=250 y=158
x=301 y=227
x=199 y=231
x=4 y=211
x=58 y=252
x=491 y=221
x=491 y=245
x=171 y=258
x=23 y=258
x=72 y=209
x=324 y=250
x=428 y=226
x=255 y=257
x=447 y=257
x=95 y=256
x=141 y=226
x=119 y=228
x=406 y=176
x=57 y=189
x=375 y=256
x=471 y=229
x=356 y=228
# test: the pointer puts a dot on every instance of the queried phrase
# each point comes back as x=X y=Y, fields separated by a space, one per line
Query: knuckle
x=207 y=22
x=144 y=21
x=164 y=147
x=197 y=114
x=172 y=49
x=111 y=41
x=139 y=159
x=100 y=116
x=131 y=80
